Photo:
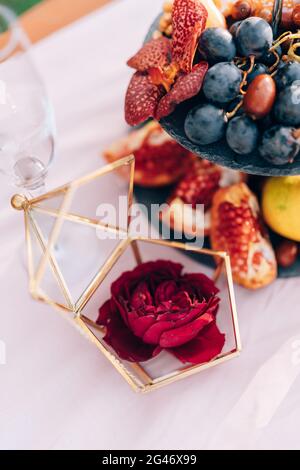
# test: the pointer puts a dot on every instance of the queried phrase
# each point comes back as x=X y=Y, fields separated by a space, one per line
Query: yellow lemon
x=281 y=206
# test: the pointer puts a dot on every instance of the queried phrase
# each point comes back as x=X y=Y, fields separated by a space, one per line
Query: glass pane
x=34 y=245
x=49 y=284
x=79 y=251
x=53 y=203
x=103 y=198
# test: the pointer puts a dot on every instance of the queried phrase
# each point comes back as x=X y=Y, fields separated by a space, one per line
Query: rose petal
x=120 y=338
x=104 y=313
x=157 y=270
x=166 y=268
x=165 y=291
x=207 y=346
x=188 y=21
x=156 y=351
x=195 y=312
x=156 y=53
x=184 y=88
x=132 y=314
x=201 y=284
x=121 y=308
x=121 y=286
x=139 y=324
x=141 y=99
x=182 y=300
x=179 y=336
x=161 y=269
x=129 y=347
x=141 y=296
x=170 y=314
x=214 y=304
x=153 y=334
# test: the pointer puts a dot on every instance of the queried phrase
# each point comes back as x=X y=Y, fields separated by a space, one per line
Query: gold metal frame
x=135 y=374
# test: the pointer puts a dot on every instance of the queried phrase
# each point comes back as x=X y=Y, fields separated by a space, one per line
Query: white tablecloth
x=56 y=390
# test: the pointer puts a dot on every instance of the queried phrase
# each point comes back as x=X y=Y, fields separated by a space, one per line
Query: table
x=57 y=391
x=51 y=15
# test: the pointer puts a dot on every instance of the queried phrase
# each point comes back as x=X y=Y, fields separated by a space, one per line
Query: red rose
x=156 y=307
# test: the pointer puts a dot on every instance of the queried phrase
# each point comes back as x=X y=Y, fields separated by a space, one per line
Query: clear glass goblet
x=27 y=129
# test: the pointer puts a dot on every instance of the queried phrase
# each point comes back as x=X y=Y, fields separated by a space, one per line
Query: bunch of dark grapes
x=251 y=93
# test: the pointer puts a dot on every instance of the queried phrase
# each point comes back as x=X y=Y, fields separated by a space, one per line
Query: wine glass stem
x=37 y=191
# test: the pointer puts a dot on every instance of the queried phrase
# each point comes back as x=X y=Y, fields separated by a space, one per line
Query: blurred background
x=19 y=6
x=40 y=18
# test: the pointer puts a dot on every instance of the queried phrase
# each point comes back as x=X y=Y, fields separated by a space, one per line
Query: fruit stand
x=224 y=85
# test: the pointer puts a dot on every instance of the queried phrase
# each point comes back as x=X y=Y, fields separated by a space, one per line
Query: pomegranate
x=237 y=228
x=159 y=160
x=198 y=186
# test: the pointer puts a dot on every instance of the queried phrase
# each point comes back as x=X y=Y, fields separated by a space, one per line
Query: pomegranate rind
x=156 y=53
x=188 y=22
x=142 y=98
x=180 y=217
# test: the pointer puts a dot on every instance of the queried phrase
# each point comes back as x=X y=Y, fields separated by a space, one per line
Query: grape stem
x=292 y=52
x=240 y=61
x=232 y=113
x=235 y=110
x=246 y=73
x=280 y=40
x=287 y=36
x=271 y=69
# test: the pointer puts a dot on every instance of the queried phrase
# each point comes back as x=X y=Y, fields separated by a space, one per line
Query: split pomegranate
x=237 y=228
x=159 y=160
x=197 y=187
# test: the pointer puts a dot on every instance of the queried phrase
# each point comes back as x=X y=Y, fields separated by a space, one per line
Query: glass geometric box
x=74 y=255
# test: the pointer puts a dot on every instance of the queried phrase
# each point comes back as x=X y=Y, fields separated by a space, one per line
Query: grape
x=266 y=122
x=205 y=124
x=287 y=74
x=222 y=83
x=242 y=135
x=217 y=45
x=258 y=69
x=254 y=36
x=234 y=27
x=287 y=105
x=281 y=64
x=279 y=146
